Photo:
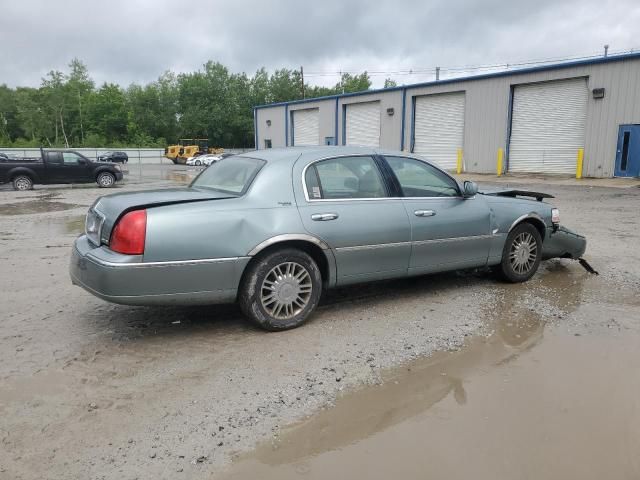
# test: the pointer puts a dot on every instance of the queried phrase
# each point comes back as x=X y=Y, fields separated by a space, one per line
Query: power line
x=468 y=68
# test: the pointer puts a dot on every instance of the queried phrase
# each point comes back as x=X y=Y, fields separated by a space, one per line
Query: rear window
x=230 y=175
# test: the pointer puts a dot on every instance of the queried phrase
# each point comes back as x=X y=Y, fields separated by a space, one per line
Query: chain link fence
x=144 y=164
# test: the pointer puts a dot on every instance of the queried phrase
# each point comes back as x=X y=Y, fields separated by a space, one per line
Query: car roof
x=292 y=153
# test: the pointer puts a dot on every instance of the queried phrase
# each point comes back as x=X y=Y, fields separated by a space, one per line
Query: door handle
x=324 y=217
x=424 y=213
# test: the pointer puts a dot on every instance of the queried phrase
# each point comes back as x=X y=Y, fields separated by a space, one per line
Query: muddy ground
x=528 y=381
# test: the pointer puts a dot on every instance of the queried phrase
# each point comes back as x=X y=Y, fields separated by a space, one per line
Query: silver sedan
x=272 y=229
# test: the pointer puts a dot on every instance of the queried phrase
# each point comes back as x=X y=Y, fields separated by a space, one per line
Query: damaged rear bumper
x=563 y=243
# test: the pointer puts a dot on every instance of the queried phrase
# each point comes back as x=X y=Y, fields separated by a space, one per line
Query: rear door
x=347 y=205
x=447 y=230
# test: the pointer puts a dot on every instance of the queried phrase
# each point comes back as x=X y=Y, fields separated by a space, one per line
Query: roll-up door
x=363 y=124
x=548 y=126
x=305 y=127
x=439 y=128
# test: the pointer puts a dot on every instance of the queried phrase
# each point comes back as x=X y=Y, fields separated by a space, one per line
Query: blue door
x=628 y=153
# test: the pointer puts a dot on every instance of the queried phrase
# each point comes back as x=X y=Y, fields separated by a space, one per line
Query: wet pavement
x=550 y=392
x=454 y=375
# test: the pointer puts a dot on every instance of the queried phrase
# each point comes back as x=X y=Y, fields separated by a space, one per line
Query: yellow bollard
x=499 y=165
x=579 y=163
x=459 y=162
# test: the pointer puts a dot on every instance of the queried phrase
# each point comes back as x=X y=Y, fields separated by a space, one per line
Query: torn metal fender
x=513 y=193
x=563 y=243
x=587 y=266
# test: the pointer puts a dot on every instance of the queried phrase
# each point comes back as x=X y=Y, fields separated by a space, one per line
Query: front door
x=628 y=153
x=447 y=230
x=67 y=167
x=347 y=205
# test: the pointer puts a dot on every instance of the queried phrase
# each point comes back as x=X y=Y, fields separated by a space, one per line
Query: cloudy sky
x=126 y=41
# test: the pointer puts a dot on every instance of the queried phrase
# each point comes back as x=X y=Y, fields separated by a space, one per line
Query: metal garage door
x=439 y=128
x=363 y=124
x=548 y=126
x=305 y=127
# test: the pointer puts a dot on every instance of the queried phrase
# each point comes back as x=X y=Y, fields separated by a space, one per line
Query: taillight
x=128 y=235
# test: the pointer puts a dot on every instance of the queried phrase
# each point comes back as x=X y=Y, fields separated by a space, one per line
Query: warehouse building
x=575 y=118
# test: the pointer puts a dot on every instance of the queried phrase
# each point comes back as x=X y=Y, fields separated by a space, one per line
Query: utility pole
x=302 y=76
x=437 y=74
x=606 y=50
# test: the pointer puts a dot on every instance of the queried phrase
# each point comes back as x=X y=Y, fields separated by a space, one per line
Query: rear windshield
x=231 y=175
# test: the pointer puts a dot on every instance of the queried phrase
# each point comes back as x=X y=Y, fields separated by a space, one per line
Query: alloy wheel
x=106 y=180
x=523 y=253
x=22 y=183
x=286 y=290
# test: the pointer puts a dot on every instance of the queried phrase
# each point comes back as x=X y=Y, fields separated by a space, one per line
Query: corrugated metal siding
x=439 y=128
x=305 y=127
x=548 y=126
x=363 y=124
x=487 y=113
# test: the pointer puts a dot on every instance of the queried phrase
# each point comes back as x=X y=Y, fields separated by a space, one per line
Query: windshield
x=229 y=175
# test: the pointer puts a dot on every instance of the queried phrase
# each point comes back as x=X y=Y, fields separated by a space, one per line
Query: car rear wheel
x=521 y=254
x=198 y=163
x=281 y=289
x=22 y=183
x=106 y=180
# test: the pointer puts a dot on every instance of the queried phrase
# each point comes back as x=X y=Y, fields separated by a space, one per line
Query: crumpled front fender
x=563 y=243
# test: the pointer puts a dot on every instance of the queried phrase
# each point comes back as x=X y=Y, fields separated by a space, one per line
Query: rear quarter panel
x=227 y=227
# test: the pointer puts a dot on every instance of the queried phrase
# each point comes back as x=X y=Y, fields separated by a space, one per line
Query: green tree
x=107 y=113
x=353 y=83
x=388 y=83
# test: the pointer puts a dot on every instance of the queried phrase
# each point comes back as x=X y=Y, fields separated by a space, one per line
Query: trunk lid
x=112 y=207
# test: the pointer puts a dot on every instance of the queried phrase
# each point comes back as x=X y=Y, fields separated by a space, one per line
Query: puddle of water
x=75 y=224
x=524 y=402
x=35 y=206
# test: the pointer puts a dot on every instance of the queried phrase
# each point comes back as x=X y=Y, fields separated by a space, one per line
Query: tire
x=106 y=180
x=198 y=163
x=22 y=183
x=521 y=254
x=271 y=295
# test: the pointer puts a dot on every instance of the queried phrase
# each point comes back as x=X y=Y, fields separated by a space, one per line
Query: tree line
x=69 y=110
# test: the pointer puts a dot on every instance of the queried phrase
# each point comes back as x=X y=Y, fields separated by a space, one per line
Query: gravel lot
x=94 y=390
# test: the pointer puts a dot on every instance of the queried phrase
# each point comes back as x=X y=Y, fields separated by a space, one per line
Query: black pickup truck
x=57 y=166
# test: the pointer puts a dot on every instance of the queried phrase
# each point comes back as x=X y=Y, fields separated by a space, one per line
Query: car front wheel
x=106 y=180
x=521 y=254
x=281 y=289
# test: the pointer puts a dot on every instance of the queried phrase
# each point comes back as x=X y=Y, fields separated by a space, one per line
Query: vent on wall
x=598 y=93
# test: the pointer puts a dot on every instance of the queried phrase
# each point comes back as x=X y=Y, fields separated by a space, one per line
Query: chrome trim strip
x=533 y=215
x=287 y=237
x=320 y=200
x=452 y=239
x=169 y=263
x=371 y=247
x=417 y=242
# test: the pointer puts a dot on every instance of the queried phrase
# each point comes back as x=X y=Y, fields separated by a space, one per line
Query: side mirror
x=470 y=189
x=82 y=161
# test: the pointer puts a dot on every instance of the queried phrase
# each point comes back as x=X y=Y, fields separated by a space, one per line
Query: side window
x=53 y=157
x=343 y=178
x=419 y=179
x=70 y=158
